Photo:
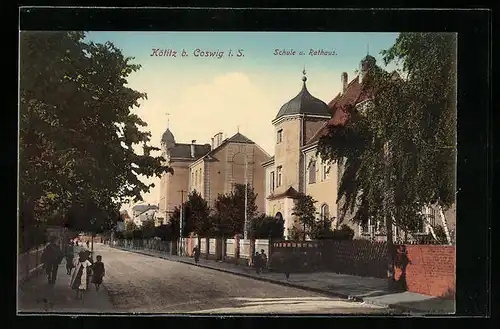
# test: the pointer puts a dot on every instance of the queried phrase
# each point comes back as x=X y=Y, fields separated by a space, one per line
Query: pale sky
x=205 y=95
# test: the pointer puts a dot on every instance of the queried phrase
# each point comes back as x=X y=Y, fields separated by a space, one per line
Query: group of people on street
x=260 y=261
x=82 y=270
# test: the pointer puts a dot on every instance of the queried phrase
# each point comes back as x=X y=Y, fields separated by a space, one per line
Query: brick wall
x=430 y=269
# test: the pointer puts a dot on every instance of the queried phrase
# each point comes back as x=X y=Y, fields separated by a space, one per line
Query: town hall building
x=296 y=167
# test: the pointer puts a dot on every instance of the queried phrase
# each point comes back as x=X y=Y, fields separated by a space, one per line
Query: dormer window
x=279 y=136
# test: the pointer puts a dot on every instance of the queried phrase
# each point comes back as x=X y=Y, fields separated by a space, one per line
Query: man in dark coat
x=196 y=254
x=51 y=258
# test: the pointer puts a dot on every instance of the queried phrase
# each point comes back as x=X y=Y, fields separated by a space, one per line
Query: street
x=139 y=283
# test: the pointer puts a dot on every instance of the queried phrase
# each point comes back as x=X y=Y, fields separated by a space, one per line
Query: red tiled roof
x=355 y=93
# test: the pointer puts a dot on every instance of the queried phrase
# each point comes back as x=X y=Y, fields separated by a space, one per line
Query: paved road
x=139 y=283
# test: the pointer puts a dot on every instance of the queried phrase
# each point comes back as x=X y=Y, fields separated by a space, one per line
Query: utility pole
x=181 y=221
x=245 y=236
x=388 y=218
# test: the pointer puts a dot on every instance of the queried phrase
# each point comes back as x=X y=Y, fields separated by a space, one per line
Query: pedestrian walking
x=196 y=253
x=51 y=258
x=88 y=244
x=263 y=259
x=91 y=260
x=70 y=255
x=257 y=262
x=98 y=272
x=79 y=281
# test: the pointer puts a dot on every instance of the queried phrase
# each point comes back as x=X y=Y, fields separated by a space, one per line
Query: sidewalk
x=363 y=289
x=36 y=295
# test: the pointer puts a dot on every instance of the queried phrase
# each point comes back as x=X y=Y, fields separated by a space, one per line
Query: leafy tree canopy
x=411 y=123
x=77 y=128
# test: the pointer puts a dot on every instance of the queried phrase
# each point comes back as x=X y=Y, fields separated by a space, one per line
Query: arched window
x=324 y=211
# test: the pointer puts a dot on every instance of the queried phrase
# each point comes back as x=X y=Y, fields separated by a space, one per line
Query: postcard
x=237 y=172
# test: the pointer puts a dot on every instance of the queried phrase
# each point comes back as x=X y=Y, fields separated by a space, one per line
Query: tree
x=265 y=227
x=77 y=132
x=429 y=61
x=197 y=211
x=130 y=227
x=229 y=210
x=398 y=155
x=148 y=228
x=306 y=213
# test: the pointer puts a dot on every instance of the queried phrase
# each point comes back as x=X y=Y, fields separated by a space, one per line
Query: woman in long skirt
x=79 y=280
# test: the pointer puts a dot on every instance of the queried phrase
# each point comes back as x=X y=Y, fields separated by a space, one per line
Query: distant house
x=143 y=212
x=125 y=216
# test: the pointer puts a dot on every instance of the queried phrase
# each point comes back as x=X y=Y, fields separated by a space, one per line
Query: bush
x=264 y=227
x=344 y=233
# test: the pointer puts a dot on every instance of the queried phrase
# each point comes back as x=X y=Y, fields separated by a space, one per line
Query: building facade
x=143 y=212
x=235 y=160
x=296 y=167
x=209 y=169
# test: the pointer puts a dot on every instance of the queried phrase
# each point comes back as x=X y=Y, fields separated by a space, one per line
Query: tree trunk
x=445 y=224
x=431 y=228
x=304 y=231
x=388 y=222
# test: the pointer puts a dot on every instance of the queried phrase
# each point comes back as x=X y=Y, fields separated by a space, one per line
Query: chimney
x=192 y=148
x=344 y=82
x=213 y=143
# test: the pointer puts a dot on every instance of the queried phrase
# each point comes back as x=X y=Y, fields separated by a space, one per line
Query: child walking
x=98 y=272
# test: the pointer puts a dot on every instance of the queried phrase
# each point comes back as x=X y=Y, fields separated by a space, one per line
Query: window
x=199 y=177
x=278 y=170
x=192 y=178
x=196 y=177
x=271 y=181
x=312 y=171
x=325 y=170
x=325 y=213
x=279 y=137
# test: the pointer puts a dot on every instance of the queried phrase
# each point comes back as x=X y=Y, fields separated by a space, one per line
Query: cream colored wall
x=216 y=172
x=197 y=170
x=259 y=181
x=324 y=191
x=268 y=191
x=175 y=183
x=229 y=169
x=287 y=154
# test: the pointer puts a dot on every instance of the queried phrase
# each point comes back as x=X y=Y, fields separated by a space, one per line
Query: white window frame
x=279 y=136
x=272 y=181
x=323 y=214
x=312 y=171
x=279 y=171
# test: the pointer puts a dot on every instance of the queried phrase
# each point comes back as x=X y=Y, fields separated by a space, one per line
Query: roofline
x=194 y=163
x=309 y=147
x=178 y=159
x=298 y=115
x=267 y=163
x=261 y=149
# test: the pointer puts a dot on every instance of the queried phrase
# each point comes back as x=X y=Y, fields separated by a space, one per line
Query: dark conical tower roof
x=304 y=103
x=168 y=138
